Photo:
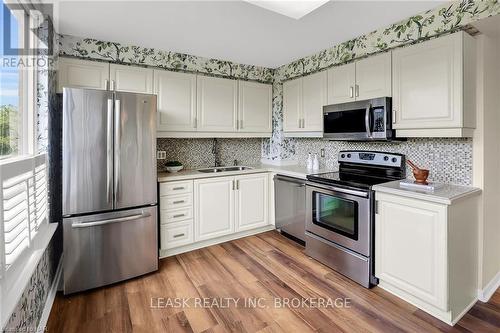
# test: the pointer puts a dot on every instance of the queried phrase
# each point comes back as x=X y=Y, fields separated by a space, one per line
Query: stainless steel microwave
x=361 y=120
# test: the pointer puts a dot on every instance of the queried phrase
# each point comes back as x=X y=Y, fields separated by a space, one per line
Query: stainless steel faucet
x=215 y=152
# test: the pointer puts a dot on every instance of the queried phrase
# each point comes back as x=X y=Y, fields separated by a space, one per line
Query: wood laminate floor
x=265 y=269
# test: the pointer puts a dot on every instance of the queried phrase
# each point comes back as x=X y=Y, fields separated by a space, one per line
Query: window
x=24 y=231
x=17 y=86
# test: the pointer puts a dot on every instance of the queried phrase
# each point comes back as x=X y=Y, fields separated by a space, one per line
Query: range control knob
x=394 y=160
x=348 y=155
x=386 y=158
x=343 y=155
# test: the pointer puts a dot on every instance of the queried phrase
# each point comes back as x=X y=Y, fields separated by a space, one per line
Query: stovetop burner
x=363 y=169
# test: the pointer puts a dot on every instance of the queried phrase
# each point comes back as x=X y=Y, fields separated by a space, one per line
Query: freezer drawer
x=105 y=248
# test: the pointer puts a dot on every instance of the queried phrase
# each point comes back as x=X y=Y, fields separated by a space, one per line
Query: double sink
x=224 y=169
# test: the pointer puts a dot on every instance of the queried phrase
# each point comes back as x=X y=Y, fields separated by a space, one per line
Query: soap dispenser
x=315 y=162
x=309 y=161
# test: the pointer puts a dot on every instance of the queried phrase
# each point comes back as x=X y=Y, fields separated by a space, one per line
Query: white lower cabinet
x=176 y=234
x=426 y=253
x=214 y=208
x=205 y=211
x=252 y=201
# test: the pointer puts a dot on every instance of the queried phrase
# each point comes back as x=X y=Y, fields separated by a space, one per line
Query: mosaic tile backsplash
x=449 y=160
x=197 y=153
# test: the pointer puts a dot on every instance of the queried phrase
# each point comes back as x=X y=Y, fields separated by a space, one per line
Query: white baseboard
x=485 y=294
x=50 y=298
x=209 y=242
x=464 y=312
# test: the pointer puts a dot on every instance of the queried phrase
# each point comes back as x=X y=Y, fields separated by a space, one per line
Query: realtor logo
x=22 y=25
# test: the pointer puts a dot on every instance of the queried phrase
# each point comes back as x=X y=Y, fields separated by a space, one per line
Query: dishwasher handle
x=298 y=181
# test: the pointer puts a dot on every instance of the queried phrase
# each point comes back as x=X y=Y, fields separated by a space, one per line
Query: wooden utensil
x=419 y=174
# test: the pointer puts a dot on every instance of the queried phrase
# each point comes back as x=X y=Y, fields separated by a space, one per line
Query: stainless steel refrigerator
x=109 y=177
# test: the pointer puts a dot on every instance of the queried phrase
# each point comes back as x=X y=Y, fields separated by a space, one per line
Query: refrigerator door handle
x=117 y=149
x=109 y=221
x=109 y=152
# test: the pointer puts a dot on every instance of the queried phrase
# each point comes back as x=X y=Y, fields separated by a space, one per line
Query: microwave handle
x=367 y=121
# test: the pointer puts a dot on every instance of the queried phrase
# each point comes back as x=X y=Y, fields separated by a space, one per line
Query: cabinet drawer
x=176 y=234
x=175 y=188
x=176 y=201
x=176 y=215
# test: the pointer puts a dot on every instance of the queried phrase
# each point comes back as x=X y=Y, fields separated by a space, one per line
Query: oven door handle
x=367 y=121
x=341 y=190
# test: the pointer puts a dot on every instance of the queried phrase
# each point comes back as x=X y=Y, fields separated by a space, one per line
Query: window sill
x=15 y=281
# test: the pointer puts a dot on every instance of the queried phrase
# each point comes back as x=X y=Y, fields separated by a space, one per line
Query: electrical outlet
x=322 y=152
x=161 y=155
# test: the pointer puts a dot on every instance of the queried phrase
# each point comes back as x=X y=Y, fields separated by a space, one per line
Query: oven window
x=336 y=214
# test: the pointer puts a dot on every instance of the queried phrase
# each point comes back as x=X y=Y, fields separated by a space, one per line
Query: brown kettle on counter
x=419 y=174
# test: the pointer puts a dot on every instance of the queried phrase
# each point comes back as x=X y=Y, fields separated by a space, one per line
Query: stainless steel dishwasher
x=290 y=206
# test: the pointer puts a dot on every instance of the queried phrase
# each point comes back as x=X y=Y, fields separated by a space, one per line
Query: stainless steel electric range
x=340 y=212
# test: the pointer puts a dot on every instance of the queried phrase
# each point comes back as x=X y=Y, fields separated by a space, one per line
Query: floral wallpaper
x=447 y=18
x=27 y=314
x=136 y=55
x=444 y=19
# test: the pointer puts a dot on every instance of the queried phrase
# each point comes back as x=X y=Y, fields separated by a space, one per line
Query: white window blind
x=23 y=205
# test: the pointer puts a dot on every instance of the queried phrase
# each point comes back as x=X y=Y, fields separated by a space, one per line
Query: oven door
x=339 y=215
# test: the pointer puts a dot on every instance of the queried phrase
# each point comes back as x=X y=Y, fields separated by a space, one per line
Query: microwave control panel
x=378 y=120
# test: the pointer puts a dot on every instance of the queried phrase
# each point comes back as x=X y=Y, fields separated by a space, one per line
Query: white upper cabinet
x=314 y=97
x=303 y=101
x=252 y=203
x=341 y=83
x=217 y=104
x=292 y=105
x=373 y=77
x=176 y=100
x=255 y=107
x=76 y=73
x=360 y=80
x=433 y=87
x=131 y=78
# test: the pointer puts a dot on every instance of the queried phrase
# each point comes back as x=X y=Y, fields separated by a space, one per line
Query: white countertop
x=443 y=195
x=296 y=171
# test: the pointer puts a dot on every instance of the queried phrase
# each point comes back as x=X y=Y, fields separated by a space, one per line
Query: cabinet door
x=176 y=100
x=292 y=105
x=213 y=207
x=427 y=84
x=410 y=247
x=341 y=81
x=314 y=97
x=252 y=204
x=76 y=73
x=131 y=78
x=217 y=104
x=373 y=77
x=255 y=107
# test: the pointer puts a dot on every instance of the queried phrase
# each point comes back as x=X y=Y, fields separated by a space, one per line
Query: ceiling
x=230 y=30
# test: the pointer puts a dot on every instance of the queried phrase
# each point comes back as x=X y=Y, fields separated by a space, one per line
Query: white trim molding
x=50 y=298
x=20 y=278
x=485 y=294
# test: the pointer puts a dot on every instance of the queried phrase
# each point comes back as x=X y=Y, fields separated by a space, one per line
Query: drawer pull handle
x=179 y=215
x=178 y=235
x=178 y=202
x=178 y=188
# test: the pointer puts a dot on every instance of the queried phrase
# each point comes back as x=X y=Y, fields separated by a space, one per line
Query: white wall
x=486 y=155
